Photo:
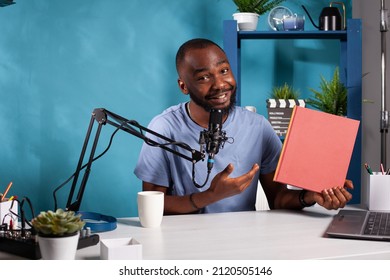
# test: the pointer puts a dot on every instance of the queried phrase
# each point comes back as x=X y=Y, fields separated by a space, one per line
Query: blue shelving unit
x=350 y=72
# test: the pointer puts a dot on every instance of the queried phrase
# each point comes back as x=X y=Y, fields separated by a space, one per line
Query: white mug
x=150 y=208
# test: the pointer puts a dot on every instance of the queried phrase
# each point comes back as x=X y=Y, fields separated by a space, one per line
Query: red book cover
x=317 y=150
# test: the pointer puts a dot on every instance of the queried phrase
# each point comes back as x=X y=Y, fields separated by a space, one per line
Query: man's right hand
x=223 y=186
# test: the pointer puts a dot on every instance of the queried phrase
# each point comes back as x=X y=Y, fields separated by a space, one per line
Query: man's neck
x=200 y=115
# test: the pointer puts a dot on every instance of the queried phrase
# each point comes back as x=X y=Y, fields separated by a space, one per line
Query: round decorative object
x=276 y=16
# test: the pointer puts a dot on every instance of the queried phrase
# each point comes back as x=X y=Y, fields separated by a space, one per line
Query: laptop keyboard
x=378 y=224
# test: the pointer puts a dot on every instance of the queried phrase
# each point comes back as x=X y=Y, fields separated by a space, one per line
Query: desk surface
x=267 y=235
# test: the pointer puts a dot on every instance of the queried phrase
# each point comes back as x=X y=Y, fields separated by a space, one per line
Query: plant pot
x=58 y=247
x=246 y=21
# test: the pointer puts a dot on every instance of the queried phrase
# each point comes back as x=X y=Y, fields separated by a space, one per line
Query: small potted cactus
x=58 y=233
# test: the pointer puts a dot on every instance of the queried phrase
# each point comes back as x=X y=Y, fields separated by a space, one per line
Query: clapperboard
x=279 y=113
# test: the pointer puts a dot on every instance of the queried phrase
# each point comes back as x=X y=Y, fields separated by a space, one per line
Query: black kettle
x=330 y=18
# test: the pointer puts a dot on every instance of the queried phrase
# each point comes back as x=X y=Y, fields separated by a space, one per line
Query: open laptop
x=360 y=224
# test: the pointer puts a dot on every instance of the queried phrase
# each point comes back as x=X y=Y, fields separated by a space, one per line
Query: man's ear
x=182 y=86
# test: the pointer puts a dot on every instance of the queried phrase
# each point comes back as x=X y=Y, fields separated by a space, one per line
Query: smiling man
x=251 y=154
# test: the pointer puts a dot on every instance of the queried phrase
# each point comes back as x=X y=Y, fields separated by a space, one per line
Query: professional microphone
x=214 y=138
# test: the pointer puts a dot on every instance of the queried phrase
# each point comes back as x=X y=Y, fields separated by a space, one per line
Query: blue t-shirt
x=251 y=139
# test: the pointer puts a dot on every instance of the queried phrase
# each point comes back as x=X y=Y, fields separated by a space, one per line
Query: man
x=250 y=154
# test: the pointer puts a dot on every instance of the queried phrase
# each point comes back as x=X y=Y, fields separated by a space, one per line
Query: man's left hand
x=333 y=198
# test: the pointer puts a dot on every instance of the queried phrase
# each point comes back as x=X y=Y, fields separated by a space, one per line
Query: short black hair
x=197 y=43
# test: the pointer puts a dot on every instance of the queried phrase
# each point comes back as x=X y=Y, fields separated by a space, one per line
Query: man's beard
x=208 y=108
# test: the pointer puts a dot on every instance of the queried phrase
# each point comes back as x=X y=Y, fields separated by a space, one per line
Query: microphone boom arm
x=102 y=117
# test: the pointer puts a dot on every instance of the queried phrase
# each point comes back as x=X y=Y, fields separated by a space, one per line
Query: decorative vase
x=58 y=247
x=246 y=21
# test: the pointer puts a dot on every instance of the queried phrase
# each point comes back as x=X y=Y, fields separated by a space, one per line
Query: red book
x=317 y=150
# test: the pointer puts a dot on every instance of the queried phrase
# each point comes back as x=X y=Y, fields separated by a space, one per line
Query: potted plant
x=248 y=12
x=280 y=106
x=284 y=92
x=332 y=96
x=58 y=233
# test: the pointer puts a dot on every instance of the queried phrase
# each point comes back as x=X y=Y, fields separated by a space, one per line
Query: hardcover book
x=317 y=150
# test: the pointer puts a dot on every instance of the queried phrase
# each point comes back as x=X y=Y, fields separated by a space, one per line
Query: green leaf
x=256 y=6
x=332 y=96
x=284 y=92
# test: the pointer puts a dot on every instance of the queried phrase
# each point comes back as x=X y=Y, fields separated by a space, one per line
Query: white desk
x=266 y=235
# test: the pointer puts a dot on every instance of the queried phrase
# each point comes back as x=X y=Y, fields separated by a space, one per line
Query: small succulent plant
x=57 y=223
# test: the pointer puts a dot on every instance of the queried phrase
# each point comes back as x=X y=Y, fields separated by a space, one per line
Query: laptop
x=360 y=224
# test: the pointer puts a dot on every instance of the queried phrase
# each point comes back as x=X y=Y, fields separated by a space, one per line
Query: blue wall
x=61 y=59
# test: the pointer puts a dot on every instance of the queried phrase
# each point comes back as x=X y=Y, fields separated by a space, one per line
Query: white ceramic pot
x=246 y=21
x=58 y=247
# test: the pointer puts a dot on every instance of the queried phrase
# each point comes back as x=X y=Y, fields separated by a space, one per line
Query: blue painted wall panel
x=61 y=59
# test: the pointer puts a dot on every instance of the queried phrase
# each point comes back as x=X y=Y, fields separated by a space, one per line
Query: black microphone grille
x=216 y=116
